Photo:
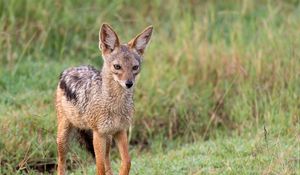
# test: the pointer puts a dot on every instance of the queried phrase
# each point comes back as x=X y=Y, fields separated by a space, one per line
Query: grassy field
x=219 y=92
x=229 y=156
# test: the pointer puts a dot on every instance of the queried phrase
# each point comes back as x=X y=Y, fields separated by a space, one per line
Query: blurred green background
x=218 y=93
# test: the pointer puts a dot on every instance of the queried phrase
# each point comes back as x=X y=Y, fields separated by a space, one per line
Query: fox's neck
x=111 y=88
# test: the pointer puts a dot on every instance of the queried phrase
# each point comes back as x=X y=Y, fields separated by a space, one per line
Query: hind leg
x=108 y=170
x=63 y=133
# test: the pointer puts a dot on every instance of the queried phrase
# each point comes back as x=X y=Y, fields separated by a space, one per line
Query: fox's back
x=78 y=84
x=75 y=90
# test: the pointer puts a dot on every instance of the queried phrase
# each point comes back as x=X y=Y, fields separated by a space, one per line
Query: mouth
x=126 y=86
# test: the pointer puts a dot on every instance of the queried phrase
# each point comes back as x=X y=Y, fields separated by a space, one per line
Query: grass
x=215 y=74
x=221 y=156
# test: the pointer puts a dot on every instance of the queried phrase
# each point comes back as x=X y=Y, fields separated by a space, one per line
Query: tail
x=85 y=138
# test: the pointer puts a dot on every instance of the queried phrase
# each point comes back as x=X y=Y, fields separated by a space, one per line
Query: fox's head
x=123 y=61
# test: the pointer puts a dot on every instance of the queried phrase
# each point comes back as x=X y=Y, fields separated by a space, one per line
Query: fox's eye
x=135 y=67
x=117 y=66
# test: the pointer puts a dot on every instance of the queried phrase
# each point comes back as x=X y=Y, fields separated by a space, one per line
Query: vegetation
x=218 y=93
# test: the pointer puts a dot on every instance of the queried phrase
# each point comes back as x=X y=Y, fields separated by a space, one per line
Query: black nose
x=128 y=84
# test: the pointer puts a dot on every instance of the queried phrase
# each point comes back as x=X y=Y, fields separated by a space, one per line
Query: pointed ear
x=108 y=39
x=140 y=42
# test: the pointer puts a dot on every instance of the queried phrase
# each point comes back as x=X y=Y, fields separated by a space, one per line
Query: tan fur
x=108 y=107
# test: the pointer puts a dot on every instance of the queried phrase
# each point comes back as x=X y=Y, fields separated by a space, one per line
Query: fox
x=97 y=104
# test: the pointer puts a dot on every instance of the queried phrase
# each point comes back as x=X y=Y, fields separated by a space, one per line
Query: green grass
x=222 y=156
x=215 y=73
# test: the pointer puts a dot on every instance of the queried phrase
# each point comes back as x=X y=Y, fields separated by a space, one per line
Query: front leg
x=99 y=143
x=122 y=143
x=108 y=169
